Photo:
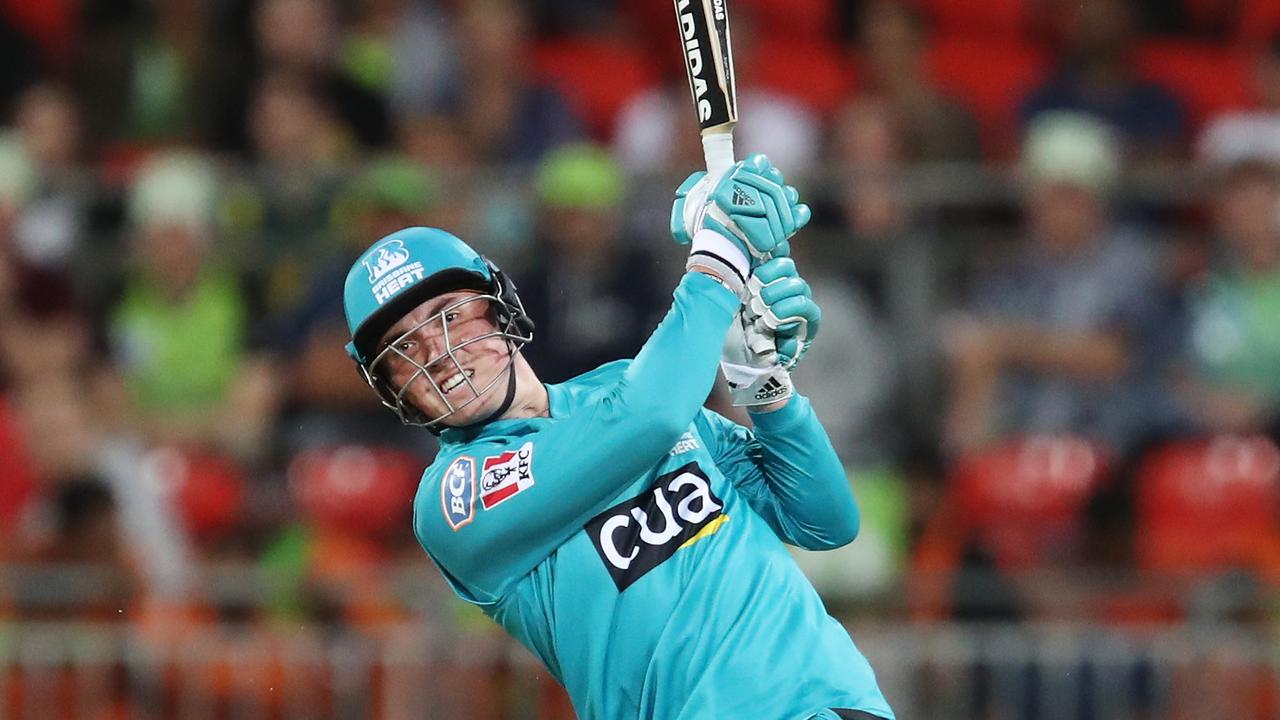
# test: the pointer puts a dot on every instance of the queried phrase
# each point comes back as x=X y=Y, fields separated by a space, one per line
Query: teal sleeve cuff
x=775 y=422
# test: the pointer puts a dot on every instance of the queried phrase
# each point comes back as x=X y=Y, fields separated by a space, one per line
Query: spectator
x=299 y=38
x=591 y=291
x=507 y=116
x=933 y=127
x=1234 y=350
x=144 y=85
x=327 y=401
x=181 y=332
x=1095 y=76
x=1250 y=134
x=50 y=227
x=279 y=211
x=1052 y=337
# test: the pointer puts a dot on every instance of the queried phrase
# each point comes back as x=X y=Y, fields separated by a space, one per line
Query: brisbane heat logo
x=388 y=272
x=390 y=254
x=637 y=535
x=458 y=492
x=505 y=475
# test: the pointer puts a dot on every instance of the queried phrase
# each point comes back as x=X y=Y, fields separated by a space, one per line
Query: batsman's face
x=447 y=357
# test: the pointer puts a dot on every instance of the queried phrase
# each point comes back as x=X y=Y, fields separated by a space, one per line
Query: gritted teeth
x=455 y=380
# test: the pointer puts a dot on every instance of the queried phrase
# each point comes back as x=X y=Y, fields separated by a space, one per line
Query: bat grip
x=717 y=148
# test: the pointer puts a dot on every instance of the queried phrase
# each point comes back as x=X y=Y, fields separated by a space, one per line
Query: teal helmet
x=400 y=272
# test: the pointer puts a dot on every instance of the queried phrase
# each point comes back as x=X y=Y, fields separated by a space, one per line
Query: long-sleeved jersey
x=634 y=541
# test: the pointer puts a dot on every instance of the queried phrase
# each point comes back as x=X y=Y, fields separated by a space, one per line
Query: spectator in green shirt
x=180 y=332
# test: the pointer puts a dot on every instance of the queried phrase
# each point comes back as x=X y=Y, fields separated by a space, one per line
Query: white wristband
x=713 y=244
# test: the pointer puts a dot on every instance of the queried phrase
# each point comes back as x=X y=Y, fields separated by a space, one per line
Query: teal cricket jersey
x=633 y=541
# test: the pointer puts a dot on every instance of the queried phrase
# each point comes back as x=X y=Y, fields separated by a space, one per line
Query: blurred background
x=1046 y=241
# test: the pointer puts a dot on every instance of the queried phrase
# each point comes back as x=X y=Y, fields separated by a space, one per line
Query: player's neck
x=531 y=395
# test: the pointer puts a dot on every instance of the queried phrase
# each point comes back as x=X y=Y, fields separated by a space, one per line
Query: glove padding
x=769 y=335
x=780 y=305
x=750 y=206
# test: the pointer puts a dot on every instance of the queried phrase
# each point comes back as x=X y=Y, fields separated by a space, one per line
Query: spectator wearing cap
x=589 y=289
x=1052 y=337
x=1230 y=381
x=1096 y=76
x=182 y=330
x=326 y=401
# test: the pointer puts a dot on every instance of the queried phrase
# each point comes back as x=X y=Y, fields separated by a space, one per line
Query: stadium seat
x=1025 y=497
x=1259 y=21
x=1209 y=79
x=207 y=489
x=366 y=491
x=991 y=77
x=1206 y=505
x=987 y=20
x=815 y=73
x=799 y=20
x=597 y=76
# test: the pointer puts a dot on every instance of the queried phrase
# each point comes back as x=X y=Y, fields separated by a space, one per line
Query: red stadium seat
x=991 y=77
x=815 y=73
x=989 y=19
x=1209 y=79
x=208 y=490
x=1025 y=497
x=807 y=20
x=1259 y=21
x=1209 y=504
x=598 y=77
x=361 y=490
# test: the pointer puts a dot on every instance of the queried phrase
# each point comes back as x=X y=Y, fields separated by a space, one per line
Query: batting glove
x=780 y=304
x=749 y=212
x=769 y=335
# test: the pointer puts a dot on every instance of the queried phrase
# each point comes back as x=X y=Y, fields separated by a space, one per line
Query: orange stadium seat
x=991 y=77
x=1025 y=497
x=1209 y=504
x=815 y=73
x=597 y=76
x=990 y=19
x=1208 y=78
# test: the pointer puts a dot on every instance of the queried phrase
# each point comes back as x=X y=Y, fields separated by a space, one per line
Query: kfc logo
x=505 y=475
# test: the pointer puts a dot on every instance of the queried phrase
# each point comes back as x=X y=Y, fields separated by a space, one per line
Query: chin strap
x=506 y=402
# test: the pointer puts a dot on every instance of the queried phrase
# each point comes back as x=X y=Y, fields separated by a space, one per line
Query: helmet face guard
x=507 y=324
x=392 y=279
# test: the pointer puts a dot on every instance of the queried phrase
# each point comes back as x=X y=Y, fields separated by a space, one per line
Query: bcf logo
x=458 y=492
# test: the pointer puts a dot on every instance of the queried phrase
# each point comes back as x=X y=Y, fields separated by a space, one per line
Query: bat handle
x=717 y=148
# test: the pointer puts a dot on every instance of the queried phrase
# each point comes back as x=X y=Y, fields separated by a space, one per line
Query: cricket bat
x=708 y=58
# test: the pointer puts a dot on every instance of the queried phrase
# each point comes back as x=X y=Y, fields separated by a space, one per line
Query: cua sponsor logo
x=637 y=535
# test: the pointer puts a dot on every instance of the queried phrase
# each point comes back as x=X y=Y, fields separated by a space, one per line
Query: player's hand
x=769 y=335
x=780 y=304
x=750 y=207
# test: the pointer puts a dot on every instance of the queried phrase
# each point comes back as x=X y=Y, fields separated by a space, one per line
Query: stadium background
x=1046 y=240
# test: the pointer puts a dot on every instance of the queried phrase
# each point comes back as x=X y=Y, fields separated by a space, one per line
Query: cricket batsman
x=630 y=538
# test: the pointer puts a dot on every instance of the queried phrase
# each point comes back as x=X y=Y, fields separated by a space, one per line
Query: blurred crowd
x=1046 y=243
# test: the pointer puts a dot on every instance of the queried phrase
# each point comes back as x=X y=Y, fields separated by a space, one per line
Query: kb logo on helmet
x=637 y=535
